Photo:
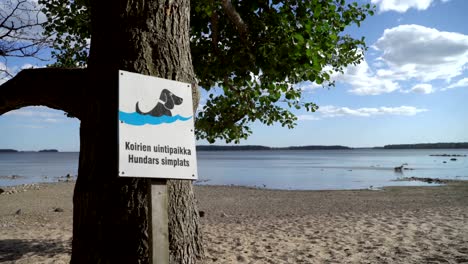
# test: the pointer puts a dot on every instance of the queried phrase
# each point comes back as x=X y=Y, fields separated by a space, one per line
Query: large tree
x=253 y=51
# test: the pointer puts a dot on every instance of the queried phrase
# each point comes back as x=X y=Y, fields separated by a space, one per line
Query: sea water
x=34 y=167
x=275 y=169
x=327 y=169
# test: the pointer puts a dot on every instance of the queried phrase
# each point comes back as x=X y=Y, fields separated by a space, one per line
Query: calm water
x=306 y=170
x=33 y=167
x=331 y=169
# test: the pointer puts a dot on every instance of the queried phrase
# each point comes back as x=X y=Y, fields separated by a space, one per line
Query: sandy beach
x=246 y=225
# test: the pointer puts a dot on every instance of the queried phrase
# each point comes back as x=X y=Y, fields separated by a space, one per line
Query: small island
x=48 y=150
x=224 y=148
x=315 y=147
x=8 y=150
x=26 y=151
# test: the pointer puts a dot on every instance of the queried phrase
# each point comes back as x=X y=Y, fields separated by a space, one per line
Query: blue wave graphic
x=139 y=120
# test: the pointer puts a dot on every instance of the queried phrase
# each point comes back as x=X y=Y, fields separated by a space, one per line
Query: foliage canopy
x=248 y=55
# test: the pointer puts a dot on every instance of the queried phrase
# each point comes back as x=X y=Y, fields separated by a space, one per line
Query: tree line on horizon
x=459 y=145
x=14 y=150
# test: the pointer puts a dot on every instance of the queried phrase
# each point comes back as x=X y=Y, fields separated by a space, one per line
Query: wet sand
x=246 y=225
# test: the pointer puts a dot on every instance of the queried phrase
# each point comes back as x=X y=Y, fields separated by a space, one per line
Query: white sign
x=156 y=128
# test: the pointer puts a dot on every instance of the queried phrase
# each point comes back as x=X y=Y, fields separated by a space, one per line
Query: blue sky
x=411 y=88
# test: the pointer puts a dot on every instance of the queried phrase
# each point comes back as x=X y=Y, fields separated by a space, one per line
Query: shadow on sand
x=14 y=249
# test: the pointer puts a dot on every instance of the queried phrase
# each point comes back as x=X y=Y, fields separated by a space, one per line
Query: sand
x=31 y=229
x=245 y=225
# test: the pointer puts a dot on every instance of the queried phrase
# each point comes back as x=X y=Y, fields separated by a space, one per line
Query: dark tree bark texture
x=110 y=221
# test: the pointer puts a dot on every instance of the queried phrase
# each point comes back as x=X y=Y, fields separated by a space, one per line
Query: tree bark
x=111 y=215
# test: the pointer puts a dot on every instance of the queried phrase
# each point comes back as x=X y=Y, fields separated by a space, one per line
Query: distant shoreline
x=256 y=147
x=462 y=145
x=18 y=151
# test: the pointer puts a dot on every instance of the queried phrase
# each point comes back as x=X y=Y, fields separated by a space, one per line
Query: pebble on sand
x=58 y=210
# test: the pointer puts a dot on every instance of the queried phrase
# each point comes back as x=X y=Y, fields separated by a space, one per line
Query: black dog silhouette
x=164 y=107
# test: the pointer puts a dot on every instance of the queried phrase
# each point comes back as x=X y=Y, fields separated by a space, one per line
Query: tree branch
x=7 y=17
x=215 y=31
x=61 y=89
x=236 y=19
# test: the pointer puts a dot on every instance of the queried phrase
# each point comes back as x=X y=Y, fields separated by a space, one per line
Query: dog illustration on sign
x=166 y=103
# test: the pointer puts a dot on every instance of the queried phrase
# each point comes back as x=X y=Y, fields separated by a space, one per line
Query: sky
x=412 y=87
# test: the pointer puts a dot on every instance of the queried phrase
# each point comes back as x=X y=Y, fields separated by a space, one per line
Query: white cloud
x=461 y=83
x=378 y=64
x=307 y=117
x=402 y=6
x=28 y=66
x=38 y=114
x=334 y=111
x=307 y=85
x=422 y=88
x=414 y=51
x=329 y=111
x=364 y=81
x=51 y=120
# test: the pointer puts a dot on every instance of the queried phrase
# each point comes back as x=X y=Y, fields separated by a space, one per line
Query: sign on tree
x=156 y=128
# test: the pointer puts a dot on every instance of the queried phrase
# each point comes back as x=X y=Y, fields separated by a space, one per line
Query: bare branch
x=13 y=11
x=57 y=88
x=20 y=31
x=7 y=73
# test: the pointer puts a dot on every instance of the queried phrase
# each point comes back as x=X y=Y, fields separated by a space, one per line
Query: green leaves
x=69 y=22
x=299 y=38
x=290 y=42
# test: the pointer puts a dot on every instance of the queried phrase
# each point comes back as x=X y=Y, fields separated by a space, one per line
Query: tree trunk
x=110 y=222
